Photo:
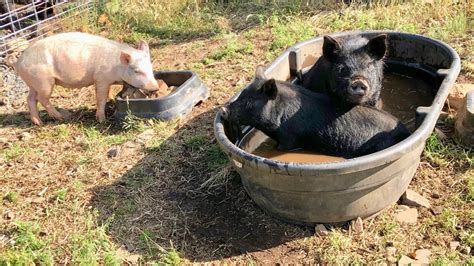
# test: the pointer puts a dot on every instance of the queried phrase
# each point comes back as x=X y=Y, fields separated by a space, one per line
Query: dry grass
x=172 y=198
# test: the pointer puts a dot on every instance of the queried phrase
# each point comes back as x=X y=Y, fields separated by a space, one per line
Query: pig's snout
x=225 y=112
x=152 y=86
x=359 y=87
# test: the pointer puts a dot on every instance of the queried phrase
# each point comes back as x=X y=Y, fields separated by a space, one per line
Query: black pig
x=350 y=70
x=299 y=118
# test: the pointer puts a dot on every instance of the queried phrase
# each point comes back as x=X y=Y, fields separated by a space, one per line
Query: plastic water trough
x=309 y=193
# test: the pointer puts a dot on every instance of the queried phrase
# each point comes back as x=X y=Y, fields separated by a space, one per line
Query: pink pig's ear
x=143 y=46
x=125 y=58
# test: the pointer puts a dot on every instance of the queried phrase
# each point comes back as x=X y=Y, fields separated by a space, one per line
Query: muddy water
x=268 y=150
x=401 y=95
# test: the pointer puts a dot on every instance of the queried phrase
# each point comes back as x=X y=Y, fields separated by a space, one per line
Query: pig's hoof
x=36 y=121
x=100 y=117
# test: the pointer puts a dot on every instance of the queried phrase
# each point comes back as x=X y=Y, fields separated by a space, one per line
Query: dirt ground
x=164 y=191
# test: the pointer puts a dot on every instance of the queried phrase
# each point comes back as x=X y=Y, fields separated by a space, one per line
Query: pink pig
x=77 y=60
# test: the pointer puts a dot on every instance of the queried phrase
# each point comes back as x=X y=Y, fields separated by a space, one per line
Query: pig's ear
x=260 y=72
x=377 y=46
x=270 y=89
x=125 y=58
x=143 y=46
x=331 y=48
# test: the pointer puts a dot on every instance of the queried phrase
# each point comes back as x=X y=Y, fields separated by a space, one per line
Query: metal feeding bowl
x=189 y=91
x=309 y=193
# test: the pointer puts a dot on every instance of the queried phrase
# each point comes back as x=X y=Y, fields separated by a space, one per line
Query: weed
x=11 y=197
x=170 y=257
x=132 y=122
x=449 y=220
x=60 y=195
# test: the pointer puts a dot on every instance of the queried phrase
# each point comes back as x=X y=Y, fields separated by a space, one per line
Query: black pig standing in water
x=299 y=118
x=350 y=70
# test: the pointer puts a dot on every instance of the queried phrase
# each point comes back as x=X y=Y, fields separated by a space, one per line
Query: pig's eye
x=138 y=72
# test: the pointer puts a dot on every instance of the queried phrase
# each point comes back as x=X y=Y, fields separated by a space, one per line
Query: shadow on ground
x=161 y=203
x=83 y=115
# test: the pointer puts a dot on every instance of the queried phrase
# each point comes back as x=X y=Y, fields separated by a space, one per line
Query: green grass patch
x=216 y=158
x=197 y=142
x=445 y=152
x=337 y=252
x=449 y=220
x=469 y=176
x=93 y=246
x=27 y=248
x=286 y=32
x=233 y=48
x=454 y=26
x=170 y=257
x=15 y=151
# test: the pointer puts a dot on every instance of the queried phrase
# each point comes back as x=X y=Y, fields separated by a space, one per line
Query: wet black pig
x=350 y=70
x=299 y=118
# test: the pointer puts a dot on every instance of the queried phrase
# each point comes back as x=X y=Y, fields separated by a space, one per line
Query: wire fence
x=26 y=20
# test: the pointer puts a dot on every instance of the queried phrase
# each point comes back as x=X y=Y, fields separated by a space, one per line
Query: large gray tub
x=309 y=193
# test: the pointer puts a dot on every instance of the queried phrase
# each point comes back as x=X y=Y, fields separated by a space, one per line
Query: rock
x=464 y=127
x=453 y=245
x=423 y=255
x=409 y=216
x=37 y=200
x=41 y=193
x=401 y=208
x=146 y=135
x=391 y=253
x=437 y=210
x=411 y=198
x=65 y=113
x=38 y=166
x=440 y=134
x=113 y=152
x=405 y=260
x=457 y=94
x=357 y=225
x=9 y=215
x=465 y=249
x=435 y=195
x=25 y=136
x=321 y=230
x=133 y=259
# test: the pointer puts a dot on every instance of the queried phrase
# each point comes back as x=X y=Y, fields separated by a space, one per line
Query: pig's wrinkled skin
x=76 y=60
x=298 y=118
x=350 y=70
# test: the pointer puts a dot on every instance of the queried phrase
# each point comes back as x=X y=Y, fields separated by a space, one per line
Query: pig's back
x=76 y=45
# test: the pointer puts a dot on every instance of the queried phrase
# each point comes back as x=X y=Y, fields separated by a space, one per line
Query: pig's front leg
x=102 y=93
